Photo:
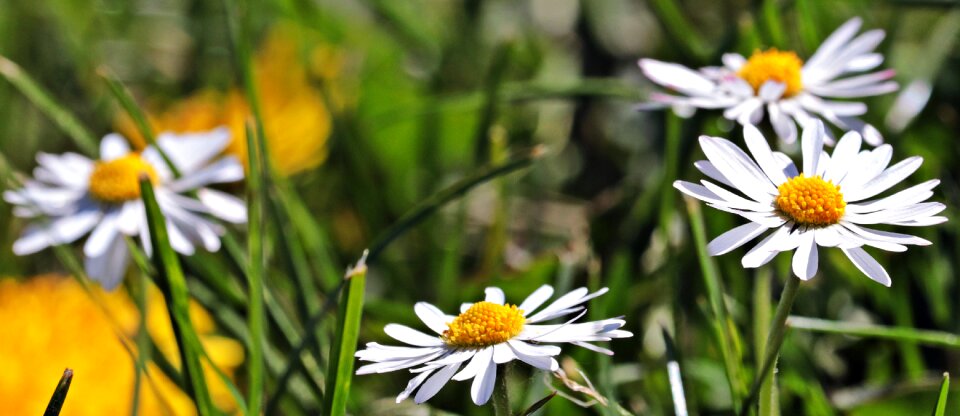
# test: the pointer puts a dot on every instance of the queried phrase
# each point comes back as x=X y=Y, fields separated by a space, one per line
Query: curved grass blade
x=941 y=408
x=540 y=403
x=893 y=333
x=42 y=99
x=59 y=394
x=340 y=371
x=254 y=272
x=173 y=284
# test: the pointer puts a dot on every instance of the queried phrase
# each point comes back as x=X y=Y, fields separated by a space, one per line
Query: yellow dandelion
x=50 y=323
x=296 y=119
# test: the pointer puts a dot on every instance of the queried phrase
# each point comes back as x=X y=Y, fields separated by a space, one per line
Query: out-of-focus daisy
x=485 y=334
x=791 y=90
x=296 y=119
x=72 y=195
x=828 y=203
x=51 y=323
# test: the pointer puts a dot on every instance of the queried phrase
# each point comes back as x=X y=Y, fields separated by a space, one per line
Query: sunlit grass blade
x=340 y=370
x=254 y=272
x=941 y=408
x=59 y=394
x=775 y=337
x=173 y=284
x=724 y=327
x=540 y=403
x=893 y=333
x=674 y=375
x=48 y=105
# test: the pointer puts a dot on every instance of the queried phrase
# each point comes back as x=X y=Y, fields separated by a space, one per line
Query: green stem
x=255 y=314
x=501 y=400
x=778 y=331
x=340 y=370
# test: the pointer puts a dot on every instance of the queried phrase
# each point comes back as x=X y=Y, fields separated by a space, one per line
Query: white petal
x=785 y=127
x=735 y=238
x=226 y=169
x=433 y=317
x=190 y=151
x=482 y=387
x=435 y=383
x=771 y=91
x=805 y=258
x=711 y=171
x=885 y=180
x=503 y=354
x=60 y=231
x=827 y=237
x=676 y=77
x=733 y=61
x=812 y=145
x=478 y=363
x=494 y=295
x=738 y=168
x=523 y=352
x=844 y=155
x=767 y=248
x=868 y=164
x=111 y=265
x=763 y=155
x=223 y=205
x=868 y=265
x=412 y=385
x=102 y=235
x=411 y=336
x=563 y=305
x=910 y=196
x=834 y=42
x=113 y=146
x=535 y=299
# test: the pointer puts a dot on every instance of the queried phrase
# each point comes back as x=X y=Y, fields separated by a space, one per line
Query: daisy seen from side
x=833 y=201
x=792 y=92
x=71 y=195
x=485 y=334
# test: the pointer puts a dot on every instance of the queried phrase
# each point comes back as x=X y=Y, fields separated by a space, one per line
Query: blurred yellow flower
x=50 y=323
x=296 y=119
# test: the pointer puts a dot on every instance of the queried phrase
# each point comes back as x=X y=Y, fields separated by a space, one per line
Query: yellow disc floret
x=484 y=324
x=811 y=201
x=773 y=65
x=118 y=180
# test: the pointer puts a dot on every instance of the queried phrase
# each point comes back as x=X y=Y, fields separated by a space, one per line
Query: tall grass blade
x=941 y=408
x=540 y=403
x=59 y=394
x=674 y=375
x=340 y=370
x=255 y=314
x=173 y=284
x=893 y=333
x=42 y=99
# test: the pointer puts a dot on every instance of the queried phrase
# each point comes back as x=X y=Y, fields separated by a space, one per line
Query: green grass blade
x=674 y=375
x=893 y=333
x=340 y=371
x=772 y=24
x=59 y=394
x=174 y=286
x=42 y=99
x=941 y=408
x=540 y=403
x=255 y=314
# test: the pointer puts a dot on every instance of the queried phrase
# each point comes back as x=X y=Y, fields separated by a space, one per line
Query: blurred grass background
x=372 y=106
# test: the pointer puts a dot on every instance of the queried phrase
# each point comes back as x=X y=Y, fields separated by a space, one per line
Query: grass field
x=324 y=165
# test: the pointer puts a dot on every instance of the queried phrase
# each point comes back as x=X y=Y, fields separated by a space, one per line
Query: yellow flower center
x=811 y=201
x=773 y=65
x=119 y=180
x=484 y=324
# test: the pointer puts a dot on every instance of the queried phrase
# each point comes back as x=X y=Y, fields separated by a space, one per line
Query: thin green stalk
x=174 y=287
x=142 y=338
x=778 y=331
x=941 y=408
x=893 y=333
x=679 y=29
x=59 y=394
x=501 y=398
x=761 y=321
x=340 y=370
x=255 y=314
x=772 y=24
x=48 y=105
x=724 y=327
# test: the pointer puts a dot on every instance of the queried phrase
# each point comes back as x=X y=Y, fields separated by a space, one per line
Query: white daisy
x=826 y=204
x=71 y=195
x=485 y=334
x=790 y=89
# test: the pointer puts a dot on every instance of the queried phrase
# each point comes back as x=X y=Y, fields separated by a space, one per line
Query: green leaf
x=59 y=394
x=42 y=99
x=173 y=284
x=340 y=372
x=941 y=408
x=540 y=403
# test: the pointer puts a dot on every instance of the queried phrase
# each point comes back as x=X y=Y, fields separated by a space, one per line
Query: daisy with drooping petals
x=827 y=203
x=72 y=195
x=485 y=334
x=792 y=91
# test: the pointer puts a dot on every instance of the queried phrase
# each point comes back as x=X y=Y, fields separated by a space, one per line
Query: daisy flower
x=71 y=196
x=485 y=334
x=829 y=203
x=791 y=90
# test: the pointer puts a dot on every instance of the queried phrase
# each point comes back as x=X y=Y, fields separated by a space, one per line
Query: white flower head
x=828 y=203
x=792 y=91
x=485 y=334
x=71 y=195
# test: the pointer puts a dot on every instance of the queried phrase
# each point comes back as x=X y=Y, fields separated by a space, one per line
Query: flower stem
x=501 y=401
x=778 y=330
